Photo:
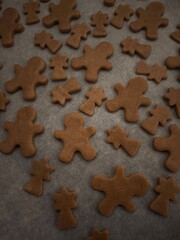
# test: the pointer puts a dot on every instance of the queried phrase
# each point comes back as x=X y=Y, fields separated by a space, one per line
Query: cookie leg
x=7 y=40
x=66 y=154
x=173 y=163
x=130 y=206
x=131 y=115
x=106 y=207
x=152 y=33
x=29 y=93
x=88 y=152
x=27 y=149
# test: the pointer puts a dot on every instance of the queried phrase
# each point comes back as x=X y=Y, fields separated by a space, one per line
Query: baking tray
x=23 y=216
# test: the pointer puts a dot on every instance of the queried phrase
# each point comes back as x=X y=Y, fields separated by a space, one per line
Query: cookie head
x=156 y=8
x=36 y=63
x=107 y=48
x=138 y=84
x=73 y=120
x=27 y=113
x=139 y=184
x=11 y=13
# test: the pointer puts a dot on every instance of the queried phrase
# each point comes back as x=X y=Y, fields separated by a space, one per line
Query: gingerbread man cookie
x=95 y=97
x=28 y=78
x=61 y=93
x=4 y=101
x=31 y=9
x=167 y=190
x=160 y=115
x=40 y=172
x=123 y=12
x=99 y=235
x=150 y=20
x=155 y=72
x=9 y=26
x=65 y=201
x=119 y=137
x=170 y=144
x=78 y=32
x=132 y=46
x=120 y=190
x=75 y=138
x=99 y=20
x=21 y=132
x=62 y=14
x=45 y=39
x=173 y=97
x=94 y=60
x=58 y=63
x=126 y=98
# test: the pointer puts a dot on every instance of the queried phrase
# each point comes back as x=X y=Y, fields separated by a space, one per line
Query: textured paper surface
x=23 y=216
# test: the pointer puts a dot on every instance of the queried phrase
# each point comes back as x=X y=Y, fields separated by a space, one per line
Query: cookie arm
x=145 y=101
x=90 y=131
x=38 y=128
x=50 y=19
x=161 y=144
x=138 y=24
x=59 y=134
x=12 y=85
x=163 y=22
x=8 y=125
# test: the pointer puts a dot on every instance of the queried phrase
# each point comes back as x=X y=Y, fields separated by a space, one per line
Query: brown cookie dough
x=167 y=190
x=150 y=20
x=31 y=9
x=173 y=63
x=173 y=97
x=78 y=32
x=61 y=93
x=58 y=63
x=120 y=190
x=9 y=26
x=62 y=14
x=22 y=132
x=122 y=13
x=76 y=138
x=40 y=172
x=119 y=138
x=99 y=20
x=176 y=35
x=28 y=78
x=109 y=3
x=160 y=115
x=94 y=60
x=4 y=101
x=132 y=46
x=170 y=144
x=155 y=72
x=95 y=97
x=45 y=39
x=126 y=98
x=65 y=202
x=99 y=235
